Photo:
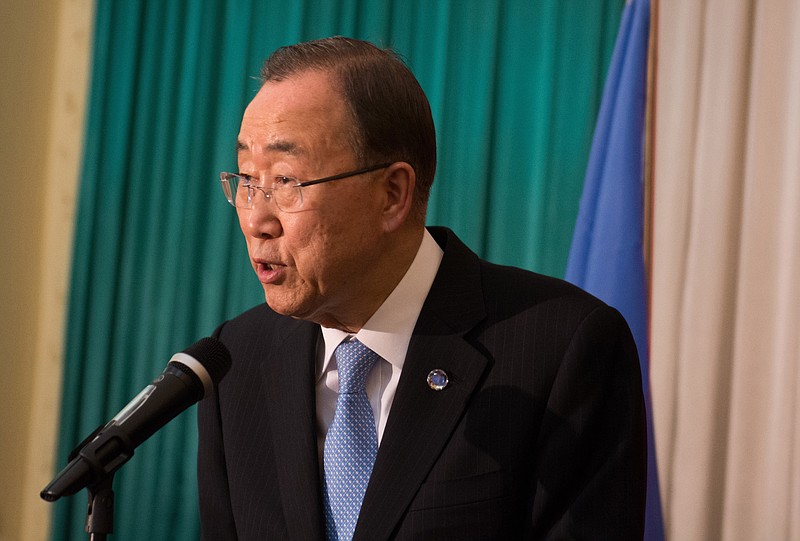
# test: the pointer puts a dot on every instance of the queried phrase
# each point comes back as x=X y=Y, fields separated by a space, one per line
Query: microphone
x=188 y=377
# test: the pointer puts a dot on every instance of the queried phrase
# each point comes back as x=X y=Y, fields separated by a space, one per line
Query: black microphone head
x=206 y=362
x=213 y=355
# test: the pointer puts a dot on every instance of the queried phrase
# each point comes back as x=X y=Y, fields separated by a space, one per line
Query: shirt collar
x=388 y=331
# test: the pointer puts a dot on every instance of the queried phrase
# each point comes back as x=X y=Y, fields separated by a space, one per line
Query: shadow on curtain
x=159 y=260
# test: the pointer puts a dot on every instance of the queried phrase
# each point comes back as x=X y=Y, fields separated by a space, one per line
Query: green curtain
x=158 y=258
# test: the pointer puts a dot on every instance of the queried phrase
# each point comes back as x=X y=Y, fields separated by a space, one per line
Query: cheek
x=306 y=242
x=328 y=243
x=324 y=252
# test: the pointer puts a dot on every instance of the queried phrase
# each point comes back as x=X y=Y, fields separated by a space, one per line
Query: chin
x=285 y=307
x=280 y=308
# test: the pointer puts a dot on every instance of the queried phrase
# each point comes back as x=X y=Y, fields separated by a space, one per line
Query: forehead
x=300 y=115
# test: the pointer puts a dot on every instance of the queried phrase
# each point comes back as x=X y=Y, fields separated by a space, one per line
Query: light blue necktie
x=351 y=443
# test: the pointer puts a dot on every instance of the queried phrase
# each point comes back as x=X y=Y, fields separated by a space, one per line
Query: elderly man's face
x=313 y=264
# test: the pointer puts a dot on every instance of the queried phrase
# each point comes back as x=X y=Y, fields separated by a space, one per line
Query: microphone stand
x=100 y=514
x=100 y=511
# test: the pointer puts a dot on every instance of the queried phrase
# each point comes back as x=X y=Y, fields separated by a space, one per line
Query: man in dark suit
x=505 y=404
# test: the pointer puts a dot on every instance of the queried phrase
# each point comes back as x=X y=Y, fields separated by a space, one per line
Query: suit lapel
x=422 y=420
x=290 y=385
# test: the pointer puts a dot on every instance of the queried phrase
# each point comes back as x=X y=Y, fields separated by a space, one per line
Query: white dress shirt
x=387 y=333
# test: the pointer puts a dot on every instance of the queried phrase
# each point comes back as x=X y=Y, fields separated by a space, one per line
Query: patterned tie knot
x=354 y=361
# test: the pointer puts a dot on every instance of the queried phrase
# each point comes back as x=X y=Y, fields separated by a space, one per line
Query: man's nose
x=261 y=220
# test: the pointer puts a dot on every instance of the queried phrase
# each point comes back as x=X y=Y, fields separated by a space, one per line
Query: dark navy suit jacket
x=539 y=435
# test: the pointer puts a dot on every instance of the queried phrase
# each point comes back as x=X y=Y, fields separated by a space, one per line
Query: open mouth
x=269 y=273
x=265 y=265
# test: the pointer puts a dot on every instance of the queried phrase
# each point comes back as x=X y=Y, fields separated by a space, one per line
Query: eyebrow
x=286 y=147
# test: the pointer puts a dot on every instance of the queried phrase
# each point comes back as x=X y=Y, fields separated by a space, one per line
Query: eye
x=247 y=179
x=281 y=180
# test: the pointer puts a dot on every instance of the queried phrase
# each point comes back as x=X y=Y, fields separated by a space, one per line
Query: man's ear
x=398 y=182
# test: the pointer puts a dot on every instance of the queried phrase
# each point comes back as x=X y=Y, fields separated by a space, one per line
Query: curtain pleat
x=725 y=355
x=159 y=260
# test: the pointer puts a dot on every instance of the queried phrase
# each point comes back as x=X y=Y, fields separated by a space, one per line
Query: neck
x=391 y=264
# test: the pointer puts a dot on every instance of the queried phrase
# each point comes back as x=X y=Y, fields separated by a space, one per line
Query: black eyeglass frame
x=303 y=184
x=224 y=178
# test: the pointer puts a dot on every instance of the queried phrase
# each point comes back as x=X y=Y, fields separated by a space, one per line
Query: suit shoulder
x=516 y=286
x=532 y=300
x=468 y=288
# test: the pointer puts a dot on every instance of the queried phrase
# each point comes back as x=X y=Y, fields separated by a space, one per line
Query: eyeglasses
x=240 y=190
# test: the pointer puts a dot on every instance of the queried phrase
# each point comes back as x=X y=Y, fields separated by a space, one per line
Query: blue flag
x=606 y=257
